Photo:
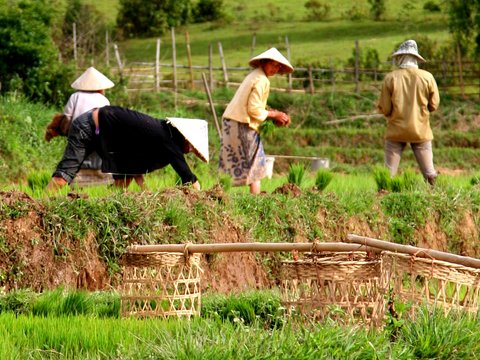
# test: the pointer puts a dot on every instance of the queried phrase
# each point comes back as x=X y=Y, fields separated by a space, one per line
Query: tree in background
x=464 y=23
x=208 y=10
x=29 y=59
x=90 y=26
x=151 y=18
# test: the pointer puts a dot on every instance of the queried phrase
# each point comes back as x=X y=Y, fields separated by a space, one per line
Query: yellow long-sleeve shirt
x=250 y=101
x=408 y=97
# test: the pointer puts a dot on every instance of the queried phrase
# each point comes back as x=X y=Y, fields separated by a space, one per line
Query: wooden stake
x=119 y=62
x=254 y=40
x=189 y=55
x=157 y=67
x=224 y=66
x=75 y=43
x=460 y=69
x=174 y=59
x=107 y=49
x=357 y=70
x=289 y=89
x=310 y=80
x=210 y=65
x=212 y=107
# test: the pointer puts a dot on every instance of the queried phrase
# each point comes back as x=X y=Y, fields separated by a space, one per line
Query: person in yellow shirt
x=408 y=96
x=241 y=154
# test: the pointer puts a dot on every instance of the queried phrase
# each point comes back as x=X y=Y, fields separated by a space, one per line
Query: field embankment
x=78 y=241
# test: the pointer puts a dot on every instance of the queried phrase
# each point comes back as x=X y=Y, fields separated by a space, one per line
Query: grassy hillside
x=328 y=42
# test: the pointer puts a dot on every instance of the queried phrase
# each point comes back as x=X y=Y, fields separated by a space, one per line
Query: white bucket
x=269 y=161
x=319 y=163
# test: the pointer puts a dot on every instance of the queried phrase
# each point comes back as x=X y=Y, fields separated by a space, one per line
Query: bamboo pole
x=297 y=157
x=237 y=247
x=412 y=250
x=212 y=107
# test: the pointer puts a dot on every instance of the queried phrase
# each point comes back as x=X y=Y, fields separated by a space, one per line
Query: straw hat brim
x=92 y=80
x=195 y=131
x=274 y=55
x=401 y=52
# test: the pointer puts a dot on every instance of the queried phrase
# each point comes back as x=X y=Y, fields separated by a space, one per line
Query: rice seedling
x=323 y=179
x=296 y=174
x=382 y=178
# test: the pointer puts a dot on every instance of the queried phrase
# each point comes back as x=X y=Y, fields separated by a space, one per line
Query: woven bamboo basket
x=161 y=285
x=348 y=287
x=421 y=281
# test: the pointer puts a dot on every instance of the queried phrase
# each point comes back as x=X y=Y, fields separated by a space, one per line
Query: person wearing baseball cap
x=407 y=98
x=131 y=143
x=242 y=155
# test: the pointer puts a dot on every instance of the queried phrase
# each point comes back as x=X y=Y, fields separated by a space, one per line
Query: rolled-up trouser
x=81 y=137
x=423 y=154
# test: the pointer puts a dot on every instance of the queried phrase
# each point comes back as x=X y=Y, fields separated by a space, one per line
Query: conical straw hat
x=408 y=47
x=195 y=132
x=272 y=54
x=92 y=80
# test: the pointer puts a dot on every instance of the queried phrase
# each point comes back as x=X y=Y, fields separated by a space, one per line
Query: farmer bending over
x=131 y=143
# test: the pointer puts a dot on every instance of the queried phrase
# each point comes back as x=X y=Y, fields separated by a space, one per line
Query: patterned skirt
x=241 y=154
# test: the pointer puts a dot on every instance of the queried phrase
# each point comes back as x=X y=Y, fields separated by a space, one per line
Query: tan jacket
x=250 y=101
x=408 y=97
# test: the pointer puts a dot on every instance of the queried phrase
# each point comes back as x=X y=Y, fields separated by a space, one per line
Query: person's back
x=408 y=97
x=83 y=101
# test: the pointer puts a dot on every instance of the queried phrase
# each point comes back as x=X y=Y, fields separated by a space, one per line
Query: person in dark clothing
x=131 y=143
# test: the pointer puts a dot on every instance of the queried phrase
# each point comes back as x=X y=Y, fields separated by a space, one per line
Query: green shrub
x=323 y=178
x=29 y=60
x=431 y=6
x=317 y=10
x=296 y=173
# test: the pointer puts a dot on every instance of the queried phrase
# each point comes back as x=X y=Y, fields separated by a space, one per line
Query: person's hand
x=280 y=118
